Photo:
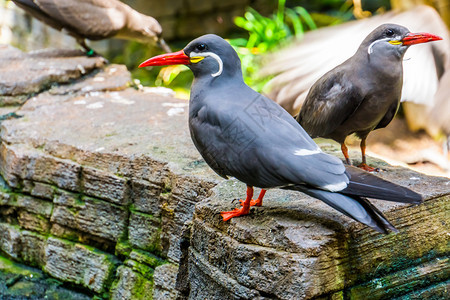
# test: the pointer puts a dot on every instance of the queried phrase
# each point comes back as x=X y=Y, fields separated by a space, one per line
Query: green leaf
x=240 y=21
x=252 y=40
x=239 y=42
x=250 y=16
x=296 y=23
x=306 y=17
x=280 y=12
x=256 y=15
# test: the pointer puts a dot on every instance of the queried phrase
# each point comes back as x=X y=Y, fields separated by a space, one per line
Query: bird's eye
x=201 y=47
x=389 y=32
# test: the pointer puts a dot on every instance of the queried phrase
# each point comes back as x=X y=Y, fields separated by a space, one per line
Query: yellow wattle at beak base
x=395 y=42
x=196 y=59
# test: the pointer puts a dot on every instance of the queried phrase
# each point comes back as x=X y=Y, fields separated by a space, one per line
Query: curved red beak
x=419 y=38
x=175 y=58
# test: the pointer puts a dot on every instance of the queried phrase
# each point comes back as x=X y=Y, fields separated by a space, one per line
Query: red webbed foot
x=245 y=209
x=368 y=168
x=226 y=215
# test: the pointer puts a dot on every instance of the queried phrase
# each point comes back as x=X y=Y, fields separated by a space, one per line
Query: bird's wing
x=328 y=47
x=440 y=114
x=92 y=19
x=284 y=150
x=212 y=149
x=351 y=200
x=331 y=100
x=388 y=116
x=282 y=167
x=33 y=9
x=365 y=184
x=357 y=208
x=260 y=144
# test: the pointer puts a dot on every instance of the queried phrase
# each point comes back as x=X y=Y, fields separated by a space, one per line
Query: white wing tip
x=304 y=152
x=335 y=187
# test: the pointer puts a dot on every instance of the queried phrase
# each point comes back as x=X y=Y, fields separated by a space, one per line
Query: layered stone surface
x=100 y=181
x=98 y=177
x=295 y=247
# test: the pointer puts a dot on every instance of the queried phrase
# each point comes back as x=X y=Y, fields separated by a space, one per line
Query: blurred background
x=284 y=47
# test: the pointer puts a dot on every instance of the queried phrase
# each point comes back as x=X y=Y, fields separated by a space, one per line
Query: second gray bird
x=363 y=93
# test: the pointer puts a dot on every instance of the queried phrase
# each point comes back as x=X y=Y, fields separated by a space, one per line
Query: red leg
x=256 y=202
x=363 y=165
x=345 y=152
x=244 y=210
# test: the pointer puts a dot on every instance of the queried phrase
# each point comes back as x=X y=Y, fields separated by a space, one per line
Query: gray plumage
x=242 y=134
x=363 y=93
x=95 y=20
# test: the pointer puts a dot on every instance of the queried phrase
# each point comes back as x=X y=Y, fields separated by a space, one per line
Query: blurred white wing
x=440 y=113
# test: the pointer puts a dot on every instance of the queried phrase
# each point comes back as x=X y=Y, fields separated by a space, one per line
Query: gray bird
x=295 y=68
x=95 y=20
x=363 y=93
x=241 y=133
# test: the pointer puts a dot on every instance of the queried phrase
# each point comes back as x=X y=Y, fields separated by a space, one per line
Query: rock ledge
x=102 y=189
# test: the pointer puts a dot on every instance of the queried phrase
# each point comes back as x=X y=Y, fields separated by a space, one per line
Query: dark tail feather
x=357 y=208
x=364 y=184
x=379 y=215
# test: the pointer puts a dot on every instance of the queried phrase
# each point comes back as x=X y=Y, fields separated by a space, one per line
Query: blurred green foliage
x=266 y=34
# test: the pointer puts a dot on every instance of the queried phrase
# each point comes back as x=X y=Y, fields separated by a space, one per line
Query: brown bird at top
x=95 y=20
x=363 y=93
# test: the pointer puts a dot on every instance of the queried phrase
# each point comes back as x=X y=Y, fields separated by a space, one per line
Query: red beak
x=176 y=58
x=419 y=38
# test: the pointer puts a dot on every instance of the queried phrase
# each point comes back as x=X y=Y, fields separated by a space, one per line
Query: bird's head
x=393 y=39
x=144 y=29
x=208 y=55
x=152 y=30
